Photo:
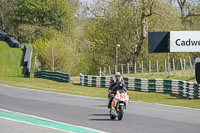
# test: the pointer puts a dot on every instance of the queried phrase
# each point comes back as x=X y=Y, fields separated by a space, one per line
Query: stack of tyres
x=55 y=76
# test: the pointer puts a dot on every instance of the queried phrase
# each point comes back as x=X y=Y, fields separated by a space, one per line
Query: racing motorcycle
x=119 y=104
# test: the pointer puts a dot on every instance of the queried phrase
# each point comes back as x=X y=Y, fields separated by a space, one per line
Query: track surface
x=93 y=113
x=8 y=126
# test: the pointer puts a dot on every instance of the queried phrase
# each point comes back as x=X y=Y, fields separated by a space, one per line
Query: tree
x=55 y=52
x=5 y=12
x=35 y=15
x=189 y=9
x=124 y=23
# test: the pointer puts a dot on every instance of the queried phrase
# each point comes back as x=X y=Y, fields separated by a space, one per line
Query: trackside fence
x=177 y=87
x=56 y=76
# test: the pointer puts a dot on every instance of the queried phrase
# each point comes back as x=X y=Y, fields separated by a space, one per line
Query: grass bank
x=10 y=60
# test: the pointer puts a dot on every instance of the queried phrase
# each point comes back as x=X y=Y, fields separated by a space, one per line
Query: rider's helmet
x=117 y=76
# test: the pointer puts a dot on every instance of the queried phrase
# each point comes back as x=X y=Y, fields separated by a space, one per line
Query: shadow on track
x=101 y=119
x=100 y=115
x=100 y=106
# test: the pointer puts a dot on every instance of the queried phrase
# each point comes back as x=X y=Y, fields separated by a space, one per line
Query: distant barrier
x=177 y=87
x=28 y=52
x=56 y=76
x=12 y=42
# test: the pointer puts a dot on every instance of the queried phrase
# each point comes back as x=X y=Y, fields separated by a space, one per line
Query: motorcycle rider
x=113 y=81
x=118 y=82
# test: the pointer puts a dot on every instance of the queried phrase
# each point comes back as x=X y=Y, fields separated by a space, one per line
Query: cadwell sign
x=184 y=41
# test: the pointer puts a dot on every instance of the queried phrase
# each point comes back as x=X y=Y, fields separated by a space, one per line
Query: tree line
x=72 y=36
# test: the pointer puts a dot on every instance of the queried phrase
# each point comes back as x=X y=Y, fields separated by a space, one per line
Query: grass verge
x=74 y=89
x=10 y=60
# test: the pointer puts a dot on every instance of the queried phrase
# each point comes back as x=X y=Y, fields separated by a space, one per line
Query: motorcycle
x=119 y=104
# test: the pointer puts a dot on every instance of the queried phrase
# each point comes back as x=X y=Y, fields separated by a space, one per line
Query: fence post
x=181 y=66
x=174 y=68
x=149 y=66
x=191 y=73
x=165 y=65
x=184 y=66
x=109 y=70
x=190 y=63
x=157 y=66
x=104 y=70
x=142 y=68
x=128 y=67
x=135 y=67
x=100 y=71
x=122 y=69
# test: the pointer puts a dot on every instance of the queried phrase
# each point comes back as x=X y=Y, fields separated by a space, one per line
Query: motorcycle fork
x=117 y=106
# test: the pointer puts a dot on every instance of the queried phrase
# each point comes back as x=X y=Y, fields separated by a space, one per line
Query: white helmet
x=117 y=74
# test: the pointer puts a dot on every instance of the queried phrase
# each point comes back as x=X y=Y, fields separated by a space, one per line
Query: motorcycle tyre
x=121 y=112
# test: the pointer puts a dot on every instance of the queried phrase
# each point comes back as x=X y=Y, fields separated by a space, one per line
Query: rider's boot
x=109 y=102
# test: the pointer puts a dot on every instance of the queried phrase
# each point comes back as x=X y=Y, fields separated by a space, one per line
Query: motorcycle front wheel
x=121 y=112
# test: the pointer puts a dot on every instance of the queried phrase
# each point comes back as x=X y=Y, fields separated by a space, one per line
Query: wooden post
x=115 y=68
x=192 y=70
x=157 y=67
x=122 y=69
x=104 y=70
x=100 y=72
x=184 y=64
x=109 y=70
x=174 y=68
x=149 y=66
x=190 y=63
x=181 y=65
x=128 y=67
x=135 y=67
x=165 y=65
x=36 y=64
x=131 y=66
x=142 y=67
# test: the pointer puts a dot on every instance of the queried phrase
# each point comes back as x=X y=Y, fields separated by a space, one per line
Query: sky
x=88 y=1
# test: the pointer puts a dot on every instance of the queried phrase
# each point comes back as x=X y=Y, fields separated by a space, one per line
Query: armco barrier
x=7 y=37
x=28 y=52
x=56 y=76
x=177 y=87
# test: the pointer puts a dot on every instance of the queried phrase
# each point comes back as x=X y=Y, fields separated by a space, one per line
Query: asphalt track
x=93 y=113
x=8 y=126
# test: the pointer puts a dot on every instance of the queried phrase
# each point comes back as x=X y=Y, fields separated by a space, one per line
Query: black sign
x=159 y=42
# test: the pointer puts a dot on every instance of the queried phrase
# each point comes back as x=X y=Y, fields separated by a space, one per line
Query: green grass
x=162 y=76
x=11 y=74
x=10 y=60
